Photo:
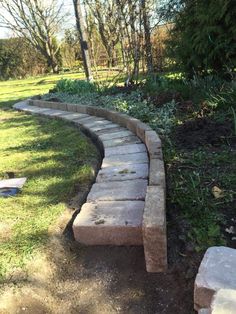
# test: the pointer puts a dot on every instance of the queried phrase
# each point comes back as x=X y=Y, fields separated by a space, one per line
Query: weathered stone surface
x=112 y=135
x=81 y=109
x=62 y=106
x=110 y=223
x=21 y=105
x=132 y=123
x=123 y=160
x=217 y=271
x=131 y=139
x=106 y=131
x=157 y=172
x=153 y=144
x=118 y=191
x=75 y=116
x=125 y=149
x=154 y=230
x=71 y=107
x=96 y=122
x=58 y=113
x=123 y=173
x=224 y=302
x=141 y=128
x=108 y=126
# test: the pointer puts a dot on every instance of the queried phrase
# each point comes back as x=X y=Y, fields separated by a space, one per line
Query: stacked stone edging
x=154 y=217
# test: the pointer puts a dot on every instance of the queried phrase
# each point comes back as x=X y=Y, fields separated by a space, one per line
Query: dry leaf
x=217 y=192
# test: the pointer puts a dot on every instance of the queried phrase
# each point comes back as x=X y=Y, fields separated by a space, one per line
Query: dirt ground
x=69 y=278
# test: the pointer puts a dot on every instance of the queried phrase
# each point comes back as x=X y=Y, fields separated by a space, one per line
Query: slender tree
x=38 y=22
x=147 y=34
x=83 y=39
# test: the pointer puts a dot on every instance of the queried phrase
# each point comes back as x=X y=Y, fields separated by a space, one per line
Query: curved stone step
x=119 y=210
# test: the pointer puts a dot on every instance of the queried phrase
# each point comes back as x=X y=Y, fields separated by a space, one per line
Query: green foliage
x=19 y=59
x=76 y=86
x=204 y=37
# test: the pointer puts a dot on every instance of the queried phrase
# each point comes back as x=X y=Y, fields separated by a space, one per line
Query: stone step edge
x=152 y=228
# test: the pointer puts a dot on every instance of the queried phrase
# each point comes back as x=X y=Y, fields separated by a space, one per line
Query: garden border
x=154 y=216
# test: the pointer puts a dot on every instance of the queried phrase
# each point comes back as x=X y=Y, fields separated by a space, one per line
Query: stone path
x=114 y=211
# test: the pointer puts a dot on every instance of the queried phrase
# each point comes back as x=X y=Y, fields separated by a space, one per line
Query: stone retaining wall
x=154 y=217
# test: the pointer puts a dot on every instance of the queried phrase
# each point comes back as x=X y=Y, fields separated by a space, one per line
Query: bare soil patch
x=65 y=277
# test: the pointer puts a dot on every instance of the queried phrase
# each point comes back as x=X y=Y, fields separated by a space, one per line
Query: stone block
x=224 y=302
x=115 y=128
x=110 y=223
x=98 y=112
x=154 y=230
x=157 y=172
x=131 y=139
x=81 y=109
x=62 y=106
x=123 y=173
x=71 y=107
x=125 y=149
x=74 y=116
x=40 y=103
x=132 y=123
x=124 y=160
x=217 y=271
x=113 y=135
x=153 y=144
x=141 y=128
x=118 y=191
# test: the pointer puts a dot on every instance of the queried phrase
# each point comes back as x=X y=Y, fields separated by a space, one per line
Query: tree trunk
x=147 y=33
x=83 y=40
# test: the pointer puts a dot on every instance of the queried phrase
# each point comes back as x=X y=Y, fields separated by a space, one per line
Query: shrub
x=76 y=86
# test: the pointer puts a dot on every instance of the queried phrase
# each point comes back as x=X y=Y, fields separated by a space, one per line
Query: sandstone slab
x=217 y=271
x=75 y=116
x=154 y=230
x=107 y=131
x=124 y=160
x=118 y=191
x=224 y=302
x=141 y=128
x=131 y=139
x=125 y=149
x=113 y=135
x=153 y=144
x=109 y=223
x=157 y=172
x=123 y=173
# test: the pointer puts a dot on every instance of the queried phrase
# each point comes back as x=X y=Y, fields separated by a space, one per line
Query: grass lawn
x=55 y=157
x=13 y=90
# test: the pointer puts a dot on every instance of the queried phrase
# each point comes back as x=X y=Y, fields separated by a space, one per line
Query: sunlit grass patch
x=55 y=157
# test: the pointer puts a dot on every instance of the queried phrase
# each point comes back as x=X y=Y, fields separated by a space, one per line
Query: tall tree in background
x=83 y=39
x=107 y=19
x=147 y=34
x=38 y=22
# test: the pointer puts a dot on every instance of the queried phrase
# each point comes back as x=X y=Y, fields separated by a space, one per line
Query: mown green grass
x=14 y=90
x=54 y=156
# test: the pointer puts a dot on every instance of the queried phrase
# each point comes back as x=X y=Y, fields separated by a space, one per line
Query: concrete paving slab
x=123 y=160
x=217 y=271
x=110 y=223
x=113 y=135
x=125 y=149
x=131 y=139
x=123 y=173
x=118 y=191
